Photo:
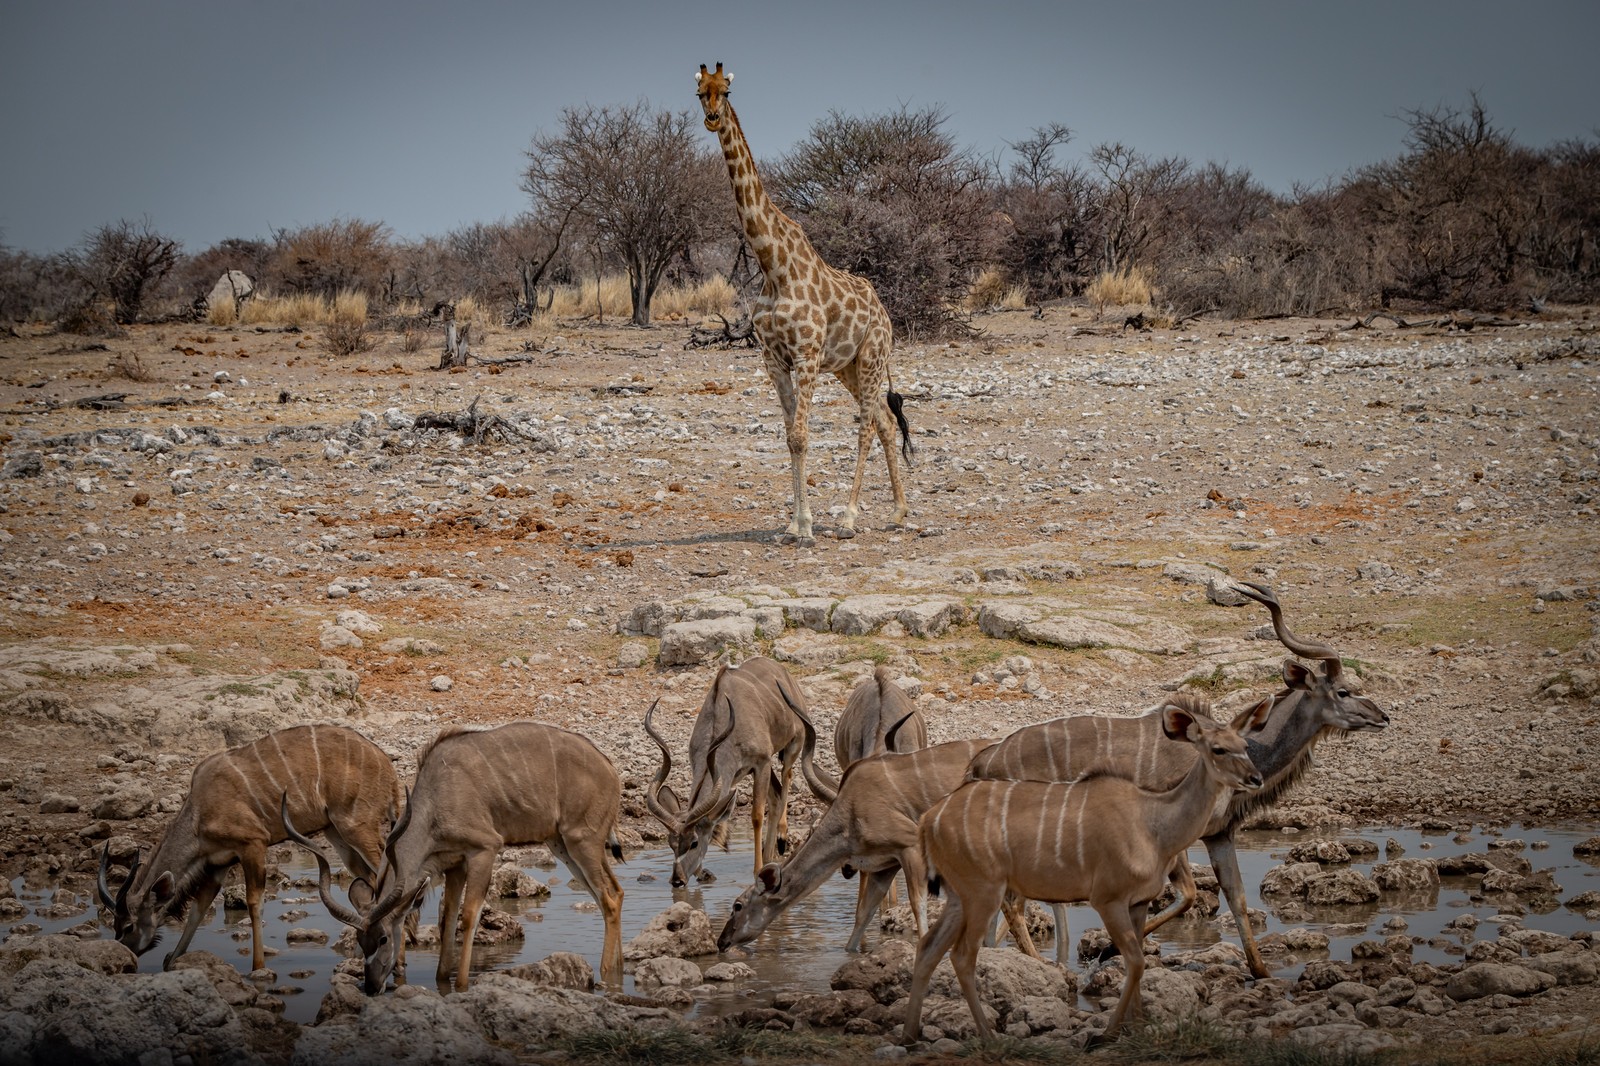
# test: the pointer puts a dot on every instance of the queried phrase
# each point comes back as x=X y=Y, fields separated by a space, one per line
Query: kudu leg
x=1125 y=925
x=1058 y=912
x=873 y=887
x=1015 y=911
x=1182 y=878
x=1225 y=862
x=964 y=952
x=253 y=864
x=586 y=860
x=760 y=785
x=782 y=786
x=930 y=949
x=449 y=925
x=479 y=869
x=199 y=907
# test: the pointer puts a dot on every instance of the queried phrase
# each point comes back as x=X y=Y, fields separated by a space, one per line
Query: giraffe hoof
x=845 y=533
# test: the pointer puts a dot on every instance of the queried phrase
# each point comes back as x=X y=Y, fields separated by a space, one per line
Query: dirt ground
x=1423 y=498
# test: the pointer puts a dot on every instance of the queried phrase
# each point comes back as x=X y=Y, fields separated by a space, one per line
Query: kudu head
x=380 y=924
x=137 y=920
x=755 y=908
x=1326 y=695
x=1222 y=748
x=690 y=833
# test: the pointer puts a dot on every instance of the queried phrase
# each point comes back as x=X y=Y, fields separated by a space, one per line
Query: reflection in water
x=804 y=947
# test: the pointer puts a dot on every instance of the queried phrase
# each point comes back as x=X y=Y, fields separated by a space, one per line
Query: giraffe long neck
x=766 y=228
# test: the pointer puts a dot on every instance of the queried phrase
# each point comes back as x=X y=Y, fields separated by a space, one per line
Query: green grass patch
x=638 y=1046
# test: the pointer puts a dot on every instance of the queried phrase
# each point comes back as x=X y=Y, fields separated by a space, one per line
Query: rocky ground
x=206 y=534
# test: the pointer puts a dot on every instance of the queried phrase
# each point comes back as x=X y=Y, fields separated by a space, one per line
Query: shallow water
x=804 y=947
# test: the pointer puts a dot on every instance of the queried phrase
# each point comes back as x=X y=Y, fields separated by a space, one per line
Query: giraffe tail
x=897 y=408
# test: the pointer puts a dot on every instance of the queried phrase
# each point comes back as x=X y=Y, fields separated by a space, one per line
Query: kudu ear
x=1297 y=676
x=1176 y=721
x=770 y=876
x=719 y=835
x=164 y=887
x=1254 y=718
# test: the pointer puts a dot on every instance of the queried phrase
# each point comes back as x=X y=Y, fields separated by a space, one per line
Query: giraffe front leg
x=799 y=442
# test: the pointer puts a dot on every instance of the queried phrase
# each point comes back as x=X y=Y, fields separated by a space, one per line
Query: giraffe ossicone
x=810 y=317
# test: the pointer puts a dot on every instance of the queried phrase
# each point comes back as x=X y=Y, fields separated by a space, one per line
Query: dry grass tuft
x=714 y=295
x=222 y=314
x=1129 y=286
x=613 y=298
x=987 y=290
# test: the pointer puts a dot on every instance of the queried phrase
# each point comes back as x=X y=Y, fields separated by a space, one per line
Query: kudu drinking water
x=753 y=712
x=871 y=825
x=1100 y=838
x=1312 y=705
x=477 y=791
x=335 y=780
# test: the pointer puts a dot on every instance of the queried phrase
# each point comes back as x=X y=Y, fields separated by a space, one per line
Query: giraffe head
x=713 y=87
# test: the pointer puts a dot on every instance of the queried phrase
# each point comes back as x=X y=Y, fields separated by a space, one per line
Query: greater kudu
x=875 y=706
x=1312 y=705
x=336 y=780
x=878 y=716
x=477 y=791
x=870 y=826
x=1100 y=838
x=753 y=712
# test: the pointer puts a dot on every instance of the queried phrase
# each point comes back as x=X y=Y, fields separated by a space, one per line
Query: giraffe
x=810 y=317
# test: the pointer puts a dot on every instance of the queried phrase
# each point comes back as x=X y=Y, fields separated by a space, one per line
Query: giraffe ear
x=730 y=79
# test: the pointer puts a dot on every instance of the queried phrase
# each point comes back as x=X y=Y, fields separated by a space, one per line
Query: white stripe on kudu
x=1123 y=841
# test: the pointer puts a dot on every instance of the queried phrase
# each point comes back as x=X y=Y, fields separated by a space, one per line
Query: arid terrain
x=1422 y=498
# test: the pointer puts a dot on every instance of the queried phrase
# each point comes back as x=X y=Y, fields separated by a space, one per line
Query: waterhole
x=803 y=948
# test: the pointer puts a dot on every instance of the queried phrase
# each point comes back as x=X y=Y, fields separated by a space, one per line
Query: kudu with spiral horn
x=1311 y=705
x=478 y=790
x=336 y=780
x=752 y=713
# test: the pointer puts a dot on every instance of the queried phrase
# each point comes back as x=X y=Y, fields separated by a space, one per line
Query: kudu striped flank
x=1311 y=705
x=477 y=791
x=335 y=780
x=753 y=712
x=870 y=826
x=1100 y=839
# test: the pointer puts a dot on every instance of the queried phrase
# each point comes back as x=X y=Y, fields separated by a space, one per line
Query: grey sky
x=225 y=119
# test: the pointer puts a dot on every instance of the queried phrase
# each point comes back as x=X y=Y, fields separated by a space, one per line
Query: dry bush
x=91 y=319
x=333 y=256
x=129 y=365
x=346 y=338
x=123 y=263
x=1128 y=287
x=986 y=290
